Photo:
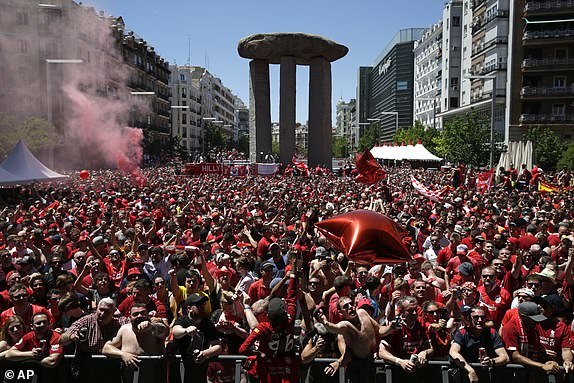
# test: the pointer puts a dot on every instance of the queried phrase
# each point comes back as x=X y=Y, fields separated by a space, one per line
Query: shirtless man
x=359 y=331
x=140 y=337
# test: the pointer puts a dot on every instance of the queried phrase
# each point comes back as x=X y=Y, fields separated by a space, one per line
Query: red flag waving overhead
x=301 y=166
x=370 y=171
x=366 y=237
x=484 y=181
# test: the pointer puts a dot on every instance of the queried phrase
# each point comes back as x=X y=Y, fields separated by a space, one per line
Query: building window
x=184 y=118
x=561 y=53
x=454 y=81
x=454 y=102
x=560 y=82
x=402 y=85
x=558 y=109
x=22 y=18
x=456 y=21
x=183 y=92
x=182 y=76
x=22 y=46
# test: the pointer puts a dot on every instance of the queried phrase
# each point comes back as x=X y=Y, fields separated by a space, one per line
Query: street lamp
x=492 y=110
x=433 y=99
x=48 y=82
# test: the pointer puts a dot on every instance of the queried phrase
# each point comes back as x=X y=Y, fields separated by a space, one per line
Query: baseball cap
x=276 y=310
x=267 y=264
x=134 y=271
x=552 y=300
x=320 y=252
x=196 y=300
x=99 y=240
x=274 y=244
x=531 y=310
x=365 y=303
x=461 y=249
x=466 y=269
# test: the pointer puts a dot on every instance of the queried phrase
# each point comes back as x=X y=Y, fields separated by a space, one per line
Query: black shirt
x=199 y=341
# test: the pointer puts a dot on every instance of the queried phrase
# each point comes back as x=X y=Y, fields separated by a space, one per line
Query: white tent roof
x=7 y=178
x=408 y=152
x=22 y=164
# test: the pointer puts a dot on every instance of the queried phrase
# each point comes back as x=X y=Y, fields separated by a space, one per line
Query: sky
x=213 y=28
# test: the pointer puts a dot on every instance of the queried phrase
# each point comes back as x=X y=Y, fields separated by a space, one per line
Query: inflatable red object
x=84 y=174
x=366 y=237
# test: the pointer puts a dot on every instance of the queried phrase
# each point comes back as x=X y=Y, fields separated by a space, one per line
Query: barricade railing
x=23 y=369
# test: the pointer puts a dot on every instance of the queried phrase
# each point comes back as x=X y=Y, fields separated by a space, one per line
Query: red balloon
x=366 y=237
x=84 y=174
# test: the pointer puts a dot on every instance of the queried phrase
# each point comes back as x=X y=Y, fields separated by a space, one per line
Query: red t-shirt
x=258 y=291
x=549 y=335
x=497 y=302
x=404 y=341
x=31 y=310
x=29 y=342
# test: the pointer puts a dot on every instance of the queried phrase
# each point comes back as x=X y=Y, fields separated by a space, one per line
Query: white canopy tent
x=25 y=168
x=407 y=152
x=518 y=153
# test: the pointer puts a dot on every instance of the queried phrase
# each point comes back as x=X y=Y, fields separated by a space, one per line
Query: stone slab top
x=303 y=46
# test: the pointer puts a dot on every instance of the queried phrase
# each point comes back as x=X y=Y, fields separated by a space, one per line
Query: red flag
x=301 y=166
x=484 y=181
x=370 y=171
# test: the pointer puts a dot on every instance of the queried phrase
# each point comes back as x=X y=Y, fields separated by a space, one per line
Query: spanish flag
x=545 y=187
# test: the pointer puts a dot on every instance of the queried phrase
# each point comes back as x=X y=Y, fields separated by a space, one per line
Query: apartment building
x=541 y=68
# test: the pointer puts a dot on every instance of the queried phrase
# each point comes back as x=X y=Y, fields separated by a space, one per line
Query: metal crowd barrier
x=12 y=373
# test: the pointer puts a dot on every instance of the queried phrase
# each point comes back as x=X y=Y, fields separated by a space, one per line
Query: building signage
x=384 y=67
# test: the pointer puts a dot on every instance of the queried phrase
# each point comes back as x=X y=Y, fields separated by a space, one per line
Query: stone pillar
x=320 y=112
x=259 y=110
x=287 y=100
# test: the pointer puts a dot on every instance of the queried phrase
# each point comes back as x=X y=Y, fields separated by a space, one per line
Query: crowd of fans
x=213 y=265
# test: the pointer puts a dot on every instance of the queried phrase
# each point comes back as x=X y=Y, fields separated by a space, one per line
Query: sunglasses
x=488 y=276
x=533 y=284
x=477 y=317
x=432 y=312
x=347 y=306
x=18 y=326
x=160 y=283
x=19 y=296
x=313 y=283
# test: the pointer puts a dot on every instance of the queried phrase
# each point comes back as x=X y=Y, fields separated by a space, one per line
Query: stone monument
x=290 y=50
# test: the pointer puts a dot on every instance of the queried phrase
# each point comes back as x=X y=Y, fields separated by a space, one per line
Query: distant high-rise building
x=209 y=101
x=386 y=96
x=345 y=115
x=541 y=68
x=484 y=43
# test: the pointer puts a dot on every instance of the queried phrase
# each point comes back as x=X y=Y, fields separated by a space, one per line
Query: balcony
x=484 y=21
x=547 y=91
x=546 y=118
x=545 y=7
x=478 y=49
x=552 y=63
x=477 y=4
x=536 y=37
x=489 y=68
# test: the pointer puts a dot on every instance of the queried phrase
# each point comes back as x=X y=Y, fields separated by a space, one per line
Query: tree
x=37 y=133
x=275 y=147
x=214 y=138
x=547 y=146
x=339 y=147
x=467 y=140
x=243 y=144
x=370 y=137
x=418 y=132
x=567 y=159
